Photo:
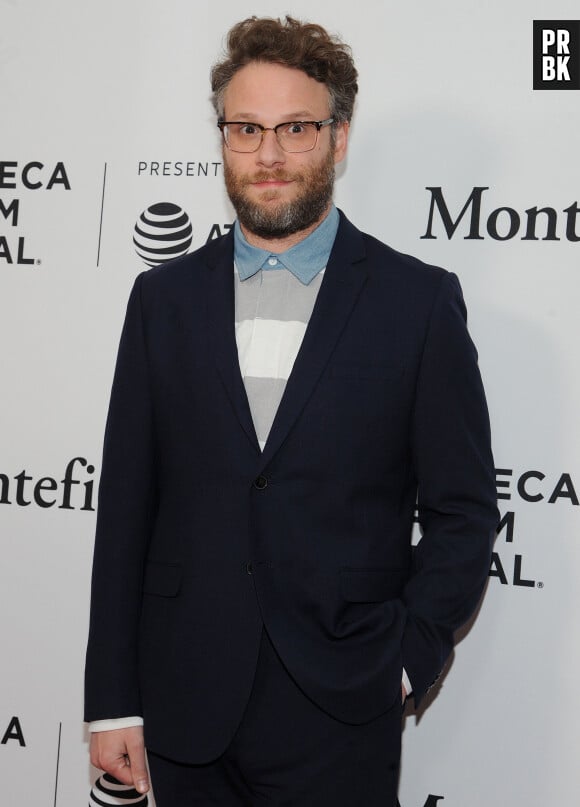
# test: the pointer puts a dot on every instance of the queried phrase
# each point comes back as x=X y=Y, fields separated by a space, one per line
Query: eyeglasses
x=294 y=136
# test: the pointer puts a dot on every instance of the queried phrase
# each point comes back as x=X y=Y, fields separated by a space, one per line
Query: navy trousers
x=287 y=752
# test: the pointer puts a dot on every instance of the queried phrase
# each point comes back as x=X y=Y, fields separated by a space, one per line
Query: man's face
x=276 y=193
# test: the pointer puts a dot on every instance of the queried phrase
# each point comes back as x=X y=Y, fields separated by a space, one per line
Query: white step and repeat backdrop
x=455 y=158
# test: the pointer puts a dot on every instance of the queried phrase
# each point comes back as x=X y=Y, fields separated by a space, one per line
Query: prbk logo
x=163 y=232
x=108 y=790
x=556 y=54
x=432 y=801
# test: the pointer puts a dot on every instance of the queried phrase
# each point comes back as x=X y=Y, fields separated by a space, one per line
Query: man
x=282 y=397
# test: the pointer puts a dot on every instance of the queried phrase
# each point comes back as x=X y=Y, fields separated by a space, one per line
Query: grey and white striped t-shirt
x=272 y=310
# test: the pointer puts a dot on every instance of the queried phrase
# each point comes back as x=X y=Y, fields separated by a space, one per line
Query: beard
x=270 y=220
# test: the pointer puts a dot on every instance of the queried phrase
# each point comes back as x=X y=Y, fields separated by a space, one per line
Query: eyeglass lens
x=292 y=137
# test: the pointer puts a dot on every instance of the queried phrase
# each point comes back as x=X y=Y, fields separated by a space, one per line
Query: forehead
x=264 y=90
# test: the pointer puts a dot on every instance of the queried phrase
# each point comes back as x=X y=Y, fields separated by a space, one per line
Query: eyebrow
x=251 y=118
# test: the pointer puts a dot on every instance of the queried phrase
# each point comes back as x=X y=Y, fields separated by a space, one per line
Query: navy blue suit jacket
x=202 y=538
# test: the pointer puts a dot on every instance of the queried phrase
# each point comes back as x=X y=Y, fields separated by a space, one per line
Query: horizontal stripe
x=99 y=797
x=275 y=295
x=264 y=396
x=268 y=348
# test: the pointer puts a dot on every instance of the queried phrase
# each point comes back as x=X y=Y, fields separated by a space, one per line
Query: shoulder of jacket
x=177 y=269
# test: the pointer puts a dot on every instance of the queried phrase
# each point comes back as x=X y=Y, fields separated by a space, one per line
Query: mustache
x=268 y=176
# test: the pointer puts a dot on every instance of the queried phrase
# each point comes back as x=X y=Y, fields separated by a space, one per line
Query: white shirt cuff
x=115 y=723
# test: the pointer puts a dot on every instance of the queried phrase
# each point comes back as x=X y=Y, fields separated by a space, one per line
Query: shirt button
x=260 y=483
x=272 y=261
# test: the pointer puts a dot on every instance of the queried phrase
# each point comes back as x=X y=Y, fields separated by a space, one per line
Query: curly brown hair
x=305 y=46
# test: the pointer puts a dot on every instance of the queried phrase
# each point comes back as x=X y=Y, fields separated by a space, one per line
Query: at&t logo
x=163 y=232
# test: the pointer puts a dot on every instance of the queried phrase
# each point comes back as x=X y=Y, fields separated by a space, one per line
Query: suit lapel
x=343 y=280
x=221 y=323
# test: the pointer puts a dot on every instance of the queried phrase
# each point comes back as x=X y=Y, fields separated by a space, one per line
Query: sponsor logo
x=31 y=176
x=163 y=232
x=73 y=492
x=502 y=223
x=556 y=54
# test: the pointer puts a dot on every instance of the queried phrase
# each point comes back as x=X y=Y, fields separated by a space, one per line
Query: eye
x=247 y=129
x=296 y=128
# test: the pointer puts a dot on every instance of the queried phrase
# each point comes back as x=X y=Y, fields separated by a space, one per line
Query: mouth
x=270 y=184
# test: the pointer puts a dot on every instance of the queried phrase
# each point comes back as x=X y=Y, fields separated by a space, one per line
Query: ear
x=341 y=142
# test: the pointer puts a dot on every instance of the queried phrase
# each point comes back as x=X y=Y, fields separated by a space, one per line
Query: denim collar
x=304 y=260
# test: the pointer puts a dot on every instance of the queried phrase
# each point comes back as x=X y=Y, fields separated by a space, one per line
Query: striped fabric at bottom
x=108 y=792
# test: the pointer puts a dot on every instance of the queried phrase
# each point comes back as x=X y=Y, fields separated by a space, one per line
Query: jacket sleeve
x=126 y=508
x=456 y=491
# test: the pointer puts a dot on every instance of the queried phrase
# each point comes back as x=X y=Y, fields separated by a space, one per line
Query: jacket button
x=260 y=483
x=249 y=567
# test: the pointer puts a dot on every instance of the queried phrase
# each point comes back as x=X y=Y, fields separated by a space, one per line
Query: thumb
x=138 y=765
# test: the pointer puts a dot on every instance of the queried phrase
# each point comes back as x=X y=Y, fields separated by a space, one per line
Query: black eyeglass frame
x=320 y=124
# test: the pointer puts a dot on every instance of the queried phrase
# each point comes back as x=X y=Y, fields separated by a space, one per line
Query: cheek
x=230 y=161
x=235 y=169
x=237 y=160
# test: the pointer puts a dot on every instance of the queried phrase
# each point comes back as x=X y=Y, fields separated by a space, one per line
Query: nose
x=270 y=152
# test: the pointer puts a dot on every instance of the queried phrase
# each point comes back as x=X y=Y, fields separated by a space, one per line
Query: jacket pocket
x=162 y=579
x=371 y=585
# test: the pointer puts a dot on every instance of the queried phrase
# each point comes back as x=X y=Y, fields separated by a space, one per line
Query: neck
x=278 y=245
